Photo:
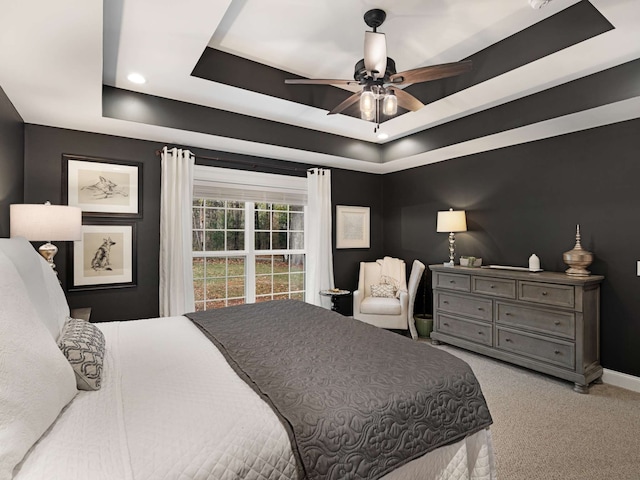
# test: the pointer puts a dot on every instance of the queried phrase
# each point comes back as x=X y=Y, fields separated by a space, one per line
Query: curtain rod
x=243 y=162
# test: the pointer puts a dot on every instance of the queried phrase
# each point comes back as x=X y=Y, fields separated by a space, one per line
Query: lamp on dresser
x=451 y=221
x=48 y=223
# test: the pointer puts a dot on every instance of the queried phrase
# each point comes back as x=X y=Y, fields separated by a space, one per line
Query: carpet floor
x=543 y=430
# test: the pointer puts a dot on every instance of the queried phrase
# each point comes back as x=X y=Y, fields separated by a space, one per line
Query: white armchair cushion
x=381 y=306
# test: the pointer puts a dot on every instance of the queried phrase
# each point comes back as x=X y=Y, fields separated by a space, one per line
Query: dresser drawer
x=547 y=293
x=479 y=308
x=562 y=324
x=477 y=332
x=497 y=287
x=533 y=346
x=452 y=281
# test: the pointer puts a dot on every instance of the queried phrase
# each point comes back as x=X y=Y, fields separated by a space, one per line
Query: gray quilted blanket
x=357 y=401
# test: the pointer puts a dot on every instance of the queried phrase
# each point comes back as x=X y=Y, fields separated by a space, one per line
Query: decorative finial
x=578 y=246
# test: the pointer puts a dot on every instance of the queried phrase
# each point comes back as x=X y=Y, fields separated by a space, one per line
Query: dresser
x=545 y=321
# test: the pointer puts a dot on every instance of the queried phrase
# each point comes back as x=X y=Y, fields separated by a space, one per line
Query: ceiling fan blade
x=312 y=81
x=375 y=54
x=346 y=103
x=407 y=101
x=433 y=72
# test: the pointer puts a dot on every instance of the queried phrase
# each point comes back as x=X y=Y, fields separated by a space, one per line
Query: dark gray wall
x=528 y=199
x=11 y=160
x=44 y=147
x=43 y=181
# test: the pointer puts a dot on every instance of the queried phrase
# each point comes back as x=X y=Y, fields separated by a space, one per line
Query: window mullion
x=249 y=246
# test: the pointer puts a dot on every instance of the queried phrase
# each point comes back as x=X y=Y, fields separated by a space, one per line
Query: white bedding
x=170 y=407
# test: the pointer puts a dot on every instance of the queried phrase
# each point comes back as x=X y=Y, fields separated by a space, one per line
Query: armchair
x=383 y=312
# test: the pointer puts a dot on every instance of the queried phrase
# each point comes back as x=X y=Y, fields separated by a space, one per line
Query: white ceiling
x=54 y=62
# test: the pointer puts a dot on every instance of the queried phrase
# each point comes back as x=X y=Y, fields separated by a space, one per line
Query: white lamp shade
x=367 y=102
x=452 y=221
x=390 y=104
x=47 y=223
x=375 y=54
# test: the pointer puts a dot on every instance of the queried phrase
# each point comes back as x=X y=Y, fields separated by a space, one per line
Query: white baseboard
x=622 y=380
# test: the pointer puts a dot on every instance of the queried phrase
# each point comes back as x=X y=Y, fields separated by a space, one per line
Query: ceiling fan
x=377 y=74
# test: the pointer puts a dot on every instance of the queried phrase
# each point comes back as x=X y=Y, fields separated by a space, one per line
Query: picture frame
x=352 y=227
x=105 y=257
x=102 y=187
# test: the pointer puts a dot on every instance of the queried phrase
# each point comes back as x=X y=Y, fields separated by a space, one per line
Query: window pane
x=296 y=262
x=235 y=219
x=198 y=218
x=234 y=204
x=235 y=266
x=262 y=206
x=280 y=283
x=199 y=306
x=281 y=297
x=235 y=240
x=198 y=267
x=279 y=240
x=214 y=218
x=265 y=298
x=263 y=264
x=297 y=281
x=263 y=220
x=216 y=304
x=297 y=296
x=216 y=267
x=296 y=240
x=198 y=289
x=216 y=288
x=198 y=241
x=280 y=264
x=262 y=241
x=296 y=221
x=296 y=208
x=235 y=287
x=280 y=207
x=279 y=221
x=235 y=301
x=263 y=284
x=214 y=241
x=214 y=203
x=198 y=202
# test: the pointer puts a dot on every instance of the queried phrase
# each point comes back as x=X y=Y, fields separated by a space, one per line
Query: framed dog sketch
x=102 y=187
x=105 y=257
x=352 y=227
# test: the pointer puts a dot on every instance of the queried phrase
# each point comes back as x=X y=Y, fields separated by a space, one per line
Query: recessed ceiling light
x=383 y=136
x=136 y=78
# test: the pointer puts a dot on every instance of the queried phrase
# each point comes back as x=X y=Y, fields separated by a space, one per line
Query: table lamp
x=48 y=223
x=451 y=221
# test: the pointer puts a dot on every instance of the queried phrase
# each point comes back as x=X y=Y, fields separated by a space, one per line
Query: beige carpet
x=543 y=430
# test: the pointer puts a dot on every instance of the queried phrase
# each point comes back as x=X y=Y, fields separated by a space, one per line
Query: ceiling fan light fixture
x=390 y=103
x=375 y=54
x=368 y=116
x=367 y=101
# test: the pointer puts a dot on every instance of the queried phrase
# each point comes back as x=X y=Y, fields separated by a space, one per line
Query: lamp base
x=450 y=263
x=48 y=251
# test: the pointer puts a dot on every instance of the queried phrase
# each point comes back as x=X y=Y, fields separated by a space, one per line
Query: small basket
x=470 y=262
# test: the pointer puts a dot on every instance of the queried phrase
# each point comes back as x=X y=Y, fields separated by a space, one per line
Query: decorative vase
x=424 y=324
x=578 y=259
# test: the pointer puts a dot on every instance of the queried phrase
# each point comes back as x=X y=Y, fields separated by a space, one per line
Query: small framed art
x=105 y=257
x=102 y=187
x=352 y=227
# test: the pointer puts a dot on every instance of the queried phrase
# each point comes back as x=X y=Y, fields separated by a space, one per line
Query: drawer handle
x=557 y=322
x=445 y=324
x=452 y=281
x=492 y=286
x=446 y=302
x=508 y=314
x=480 y=333
x=544 y=294
x=507 y=340
x=557 y=352
x=481 y=309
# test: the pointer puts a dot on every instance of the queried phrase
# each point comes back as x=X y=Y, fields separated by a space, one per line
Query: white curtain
x=318 y=235
x=176 y=199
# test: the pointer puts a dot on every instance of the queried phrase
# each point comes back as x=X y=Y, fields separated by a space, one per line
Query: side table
x=335 y=294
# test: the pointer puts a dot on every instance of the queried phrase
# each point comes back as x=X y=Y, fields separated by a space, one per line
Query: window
x=246 y=252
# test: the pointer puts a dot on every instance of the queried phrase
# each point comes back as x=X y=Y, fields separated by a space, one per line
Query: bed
x=176 y=401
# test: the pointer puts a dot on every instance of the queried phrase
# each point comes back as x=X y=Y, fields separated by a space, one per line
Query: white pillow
x=36 y=379
x=43 y=287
